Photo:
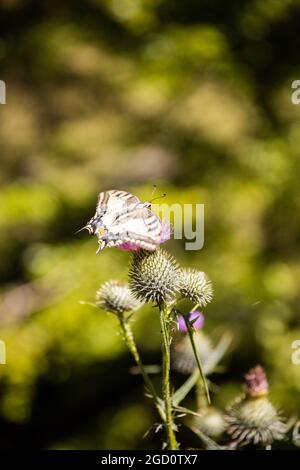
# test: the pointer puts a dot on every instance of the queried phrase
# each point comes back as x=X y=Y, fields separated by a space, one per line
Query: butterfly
x=123 y=219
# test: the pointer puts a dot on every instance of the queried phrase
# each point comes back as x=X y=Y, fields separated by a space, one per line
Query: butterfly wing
x=115 y=201
x=139 y=226
x=122 y=218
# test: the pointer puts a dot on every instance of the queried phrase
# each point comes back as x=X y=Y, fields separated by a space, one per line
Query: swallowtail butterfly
x=121 y=218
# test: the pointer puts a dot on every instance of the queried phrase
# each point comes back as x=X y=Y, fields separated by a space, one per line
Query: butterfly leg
x=102 y=244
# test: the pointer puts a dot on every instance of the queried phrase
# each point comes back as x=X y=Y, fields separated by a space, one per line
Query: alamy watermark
x=295 y=356
x=2 y=352
x=182 y=221
x=2 y=92
x=295 y=98
x=187 y=221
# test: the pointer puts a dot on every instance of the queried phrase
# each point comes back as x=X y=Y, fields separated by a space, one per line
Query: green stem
x=129 y=339
x=197 y=358
x=172 y=443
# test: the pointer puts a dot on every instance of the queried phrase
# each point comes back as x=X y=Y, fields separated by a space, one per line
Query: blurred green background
x=193 y=96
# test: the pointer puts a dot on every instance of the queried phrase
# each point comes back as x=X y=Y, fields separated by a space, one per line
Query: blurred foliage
x=194 y=96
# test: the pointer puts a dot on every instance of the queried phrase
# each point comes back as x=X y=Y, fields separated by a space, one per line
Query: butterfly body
x=121 y=218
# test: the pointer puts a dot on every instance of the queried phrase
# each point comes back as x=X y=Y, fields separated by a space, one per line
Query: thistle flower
x=256 y=383
x=165 y=235
x=198 y=322
x=252 y=418
x=210 y=421
x=116 y=297
x=154 y=276
x=129 y=246
x=196 y=286
x=182 y=355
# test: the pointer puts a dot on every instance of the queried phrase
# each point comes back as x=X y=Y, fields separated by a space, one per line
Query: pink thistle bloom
x=198 y=322
x=256 y=382
x=165 y=235
x=128 y=246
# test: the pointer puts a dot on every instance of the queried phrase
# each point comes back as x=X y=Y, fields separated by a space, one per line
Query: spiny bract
x=116 y=297
x=254 y=420
x=196 y=286
x=154 y=276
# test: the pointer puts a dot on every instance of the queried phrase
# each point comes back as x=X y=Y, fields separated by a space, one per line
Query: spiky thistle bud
x=196 y=286
x=182 y=354
x=154 y=276
x=116 y=297
x=252 y=418
x=210 y=421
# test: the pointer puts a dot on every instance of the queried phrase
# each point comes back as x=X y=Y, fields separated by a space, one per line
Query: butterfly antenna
x=158 y=197
x=82 y=228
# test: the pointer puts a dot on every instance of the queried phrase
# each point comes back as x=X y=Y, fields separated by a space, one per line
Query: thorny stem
x=129 y=339
x=197 y=358
x=172 y=443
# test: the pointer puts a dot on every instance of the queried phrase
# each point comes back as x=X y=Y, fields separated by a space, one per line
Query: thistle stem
x=130 y=342
x=197 y=358
x=172 y=443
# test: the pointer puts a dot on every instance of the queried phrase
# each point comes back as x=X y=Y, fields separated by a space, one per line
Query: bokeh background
x=193 y=96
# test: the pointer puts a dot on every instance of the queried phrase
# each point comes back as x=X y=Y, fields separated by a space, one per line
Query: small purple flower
x=165 y=235
x=198 y=322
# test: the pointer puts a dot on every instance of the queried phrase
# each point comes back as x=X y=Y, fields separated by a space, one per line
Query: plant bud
x=116 y=297
x=196 y=286
x=154 y=276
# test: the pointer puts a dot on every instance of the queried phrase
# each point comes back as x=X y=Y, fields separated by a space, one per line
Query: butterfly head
x=96 y=227
x=92 y=226
x=89 y=228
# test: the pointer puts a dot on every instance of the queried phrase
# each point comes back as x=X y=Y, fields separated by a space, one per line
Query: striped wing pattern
x=122 y=218
x=114 y=199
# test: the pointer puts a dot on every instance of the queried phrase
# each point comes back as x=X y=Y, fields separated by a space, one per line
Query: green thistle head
x=154 y=276
x=116 y=297
x=196 y=286
x=252 y=418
